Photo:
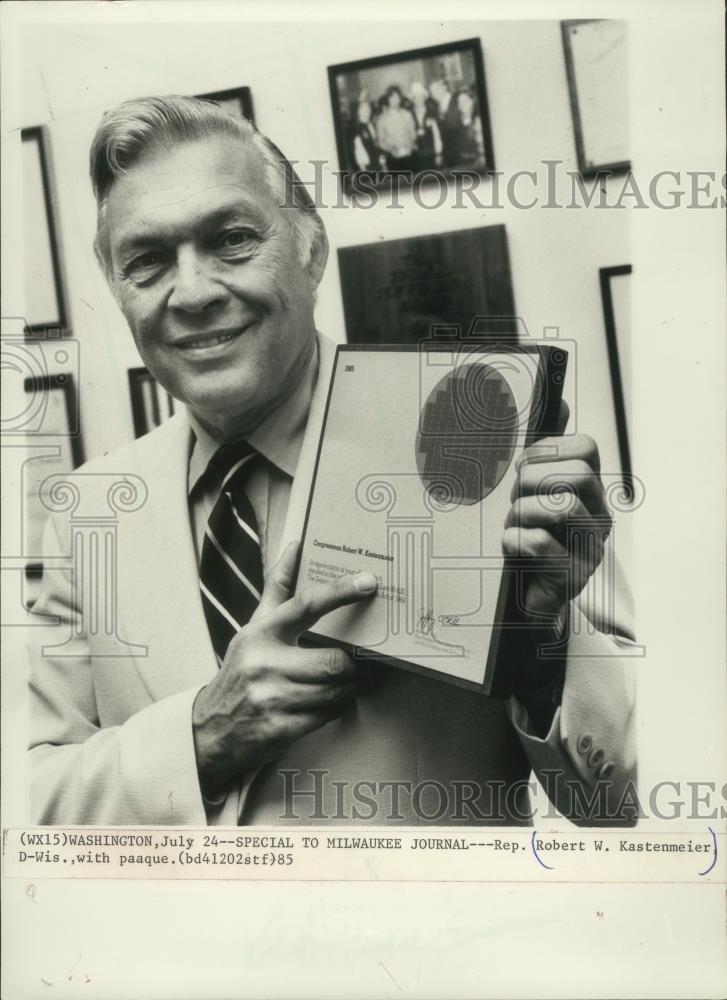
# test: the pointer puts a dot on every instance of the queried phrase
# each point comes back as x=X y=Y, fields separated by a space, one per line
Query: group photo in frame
x=412 y=112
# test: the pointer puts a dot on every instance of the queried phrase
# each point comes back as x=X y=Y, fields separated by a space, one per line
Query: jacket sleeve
x=142 y=771
x=586 y=762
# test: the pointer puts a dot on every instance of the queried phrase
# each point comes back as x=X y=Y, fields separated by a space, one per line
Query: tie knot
x=232 y=461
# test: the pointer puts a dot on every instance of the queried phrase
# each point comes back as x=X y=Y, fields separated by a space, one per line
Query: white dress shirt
x=278 y=439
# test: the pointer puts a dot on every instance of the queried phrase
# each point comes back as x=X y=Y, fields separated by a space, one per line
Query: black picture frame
x=36 y=137
x=442 y=285
x=63 y=383
x=151 y=404
x=616 y=368
x=60 y=424
x=346 y=79
x=239 y=96
x=588 y=161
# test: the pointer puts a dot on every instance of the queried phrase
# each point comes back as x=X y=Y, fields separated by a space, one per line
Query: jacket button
x=596 y=758
x=584 y=744
x=607 y=770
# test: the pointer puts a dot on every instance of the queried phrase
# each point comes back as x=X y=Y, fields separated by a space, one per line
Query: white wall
x=73 y=73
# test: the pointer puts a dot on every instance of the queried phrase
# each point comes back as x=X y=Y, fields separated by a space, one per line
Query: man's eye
x=144 y=261
x=236 y=239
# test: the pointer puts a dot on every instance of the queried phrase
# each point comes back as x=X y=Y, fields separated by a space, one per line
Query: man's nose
x=195 y=285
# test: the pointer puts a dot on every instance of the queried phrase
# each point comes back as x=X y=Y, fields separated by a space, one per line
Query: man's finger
x=548 y=448
x=573 y=447
x=278 y=581
x=575 y=476
x=561 y=573
x=547 y=586
x=327 y=665
x=294 y=725
x=540 y=512
x=284 y=697
x=322 y=697
x=538 y=544
x=301 y=612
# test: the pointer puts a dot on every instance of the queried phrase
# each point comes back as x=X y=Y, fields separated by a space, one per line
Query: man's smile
x=207 y=343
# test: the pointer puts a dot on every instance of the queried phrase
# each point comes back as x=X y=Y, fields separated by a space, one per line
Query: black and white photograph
x=413 y=112
x=357 y=447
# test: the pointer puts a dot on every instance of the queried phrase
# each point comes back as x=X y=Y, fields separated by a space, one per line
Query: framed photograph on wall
x=446 y=284
x=411 y=113
x=44 y=295
x=237 y=101
x=54 y=447
x=151 y=404
x=596 y=63
x=615 y=296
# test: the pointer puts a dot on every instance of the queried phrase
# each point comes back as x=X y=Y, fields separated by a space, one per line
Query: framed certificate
x=414 y=471
x=615 y=288
x=45 y=305
x=597 y=69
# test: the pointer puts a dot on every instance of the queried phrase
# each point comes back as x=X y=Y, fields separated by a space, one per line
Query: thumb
x=543 y=597
x=279 y=581
x=563 y=417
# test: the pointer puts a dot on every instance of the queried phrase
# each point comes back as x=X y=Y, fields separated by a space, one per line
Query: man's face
x=206 y=272
x=465 y=103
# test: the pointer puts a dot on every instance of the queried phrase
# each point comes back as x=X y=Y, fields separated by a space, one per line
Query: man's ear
x=318 y=254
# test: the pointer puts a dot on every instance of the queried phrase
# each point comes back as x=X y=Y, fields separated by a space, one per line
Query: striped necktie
x=230 y=572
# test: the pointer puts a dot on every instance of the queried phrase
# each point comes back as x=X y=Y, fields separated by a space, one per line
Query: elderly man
x=223 y=716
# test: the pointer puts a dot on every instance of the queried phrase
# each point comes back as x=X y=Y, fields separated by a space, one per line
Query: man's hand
x=559 y=516
x=269 y=692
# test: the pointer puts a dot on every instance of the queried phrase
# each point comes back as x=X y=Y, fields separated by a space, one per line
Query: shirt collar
x=278 y=438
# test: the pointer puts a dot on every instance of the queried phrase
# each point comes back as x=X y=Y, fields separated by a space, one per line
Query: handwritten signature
x=427 y=621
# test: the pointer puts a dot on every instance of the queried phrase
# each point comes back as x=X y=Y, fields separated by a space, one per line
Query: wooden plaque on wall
x=402 y=291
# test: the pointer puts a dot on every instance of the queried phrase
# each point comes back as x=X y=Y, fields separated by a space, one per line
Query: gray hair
x=133 y=127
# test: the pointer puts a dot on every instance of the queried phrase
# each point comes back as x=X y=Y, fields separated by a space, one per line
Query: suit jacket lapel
x=166 y=613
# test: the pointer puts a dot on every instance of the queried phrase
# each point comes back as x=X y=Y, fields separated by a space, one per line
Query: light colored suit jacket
x=111 y=734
